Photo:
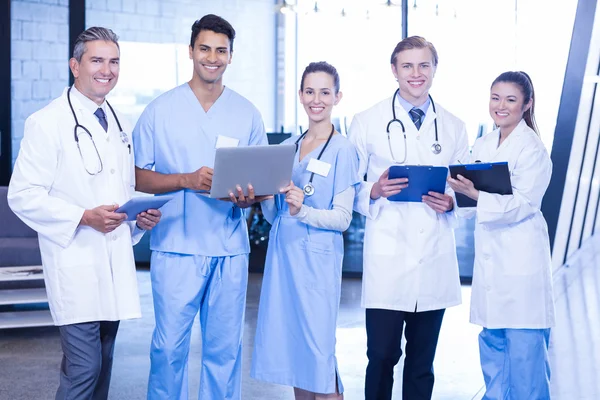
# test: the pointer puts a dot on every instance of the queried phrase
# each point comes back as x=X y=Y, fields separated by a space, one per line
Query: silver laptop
x=267 y=168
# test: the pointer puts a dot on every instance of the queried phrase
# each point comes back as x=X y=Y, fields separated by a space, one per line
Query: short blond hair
x=414 y=42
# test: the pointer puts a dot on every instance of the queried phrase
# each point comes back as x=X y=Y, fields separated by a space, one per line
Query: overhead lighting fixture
x=284 y=8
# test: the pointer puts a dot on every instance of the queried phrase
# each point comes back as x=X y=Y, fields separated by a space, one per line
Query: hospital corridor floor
x=30 y=358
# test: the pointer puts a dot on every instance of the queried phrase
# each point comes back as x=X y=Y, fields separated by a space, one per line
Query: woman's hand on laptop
x=294 y=196
x=243 y=201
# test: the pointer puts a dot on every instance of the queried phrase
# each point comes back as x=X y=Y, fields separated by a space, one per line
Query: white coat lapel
x=89 y=121
x=427 y=124
x=397 y=141
x=409 y=125
x=507 y=143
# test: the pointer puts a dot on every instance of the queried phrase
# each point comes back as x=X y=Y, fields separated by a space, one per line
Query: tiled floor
x=29 y=359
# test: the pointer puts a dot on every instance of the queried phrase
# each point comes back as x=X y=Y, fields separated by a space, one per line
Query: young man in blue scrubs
x=200 y=253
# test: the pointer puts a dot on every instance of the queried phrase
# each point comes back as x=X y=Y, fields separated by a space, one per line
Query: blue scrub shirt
x=175 y=135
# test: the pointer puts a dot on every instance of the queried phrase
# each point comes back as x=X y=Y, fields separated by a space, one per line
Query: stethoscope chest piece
x=309 y=189
x=124 y=137
x=436 y=148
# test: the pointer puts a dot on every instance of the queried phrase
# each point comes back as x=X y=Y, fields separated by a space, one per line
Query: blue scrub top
x=175 y=135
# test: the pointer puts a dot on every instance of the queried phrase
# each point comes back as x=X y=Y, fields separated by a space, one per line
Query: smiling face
x=414 y=69
x=319 y=96
x=210 y=55
x=98 y=71
x=507 y=105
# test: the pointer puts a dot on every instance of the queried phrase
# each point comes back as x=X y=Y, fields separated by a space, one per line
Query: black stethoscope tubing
x=78 y=125
x=436 y=148
x=309 y=189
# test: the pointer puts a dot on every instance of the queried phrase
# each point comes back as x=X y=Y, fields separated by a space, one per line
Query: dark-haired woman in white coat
x=512 y=279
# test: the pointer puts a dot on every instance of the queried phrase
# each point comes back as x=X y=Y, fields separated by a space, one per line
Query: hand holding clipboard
x=488 y=177
x=415 y=183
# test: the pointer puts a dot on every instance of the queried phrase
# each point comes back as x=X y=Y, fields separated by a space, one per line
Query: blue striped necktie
x=416 y=114
x=102 y=118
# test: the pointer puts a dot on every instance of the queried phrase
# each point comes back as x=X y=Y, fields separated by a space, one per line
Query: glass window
x=478 y=40
x=364 y=34
x=148 y=70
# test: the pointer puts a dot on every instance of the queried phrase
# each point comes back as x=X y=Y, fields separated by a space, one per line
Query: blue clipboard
x=488 y=177
x=422 y=179
x=137 y=205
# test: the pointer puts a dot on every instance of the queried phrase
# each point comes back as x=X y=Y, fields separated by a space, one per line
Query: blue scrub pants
x=515 y=363
x=182 y=285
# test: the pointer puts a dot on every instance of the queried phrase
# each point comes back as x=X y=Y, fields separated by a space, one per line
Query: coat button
x=108 y=138
x=421 y=261
x=112 y=171
x=421 y=230
x=114 y=238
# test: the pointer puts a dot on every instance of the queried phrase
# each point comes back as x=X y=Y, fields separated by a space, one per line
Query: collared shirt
x=407 y=106
x=88 y=103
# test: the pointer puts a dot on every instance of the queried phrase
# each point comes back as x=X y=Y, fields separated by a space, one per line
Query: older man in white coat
x=410 y=271
x=74 y=168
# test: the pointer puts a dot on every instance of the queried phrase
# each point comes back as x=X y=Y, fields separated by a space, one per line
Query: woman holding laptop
x=295 y=335
x=512 y=279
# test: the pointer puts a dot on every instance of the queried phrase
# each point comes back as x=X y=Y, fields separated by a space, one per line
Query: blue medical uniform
x=297 y=315
x=515 y=363
x=200 y=248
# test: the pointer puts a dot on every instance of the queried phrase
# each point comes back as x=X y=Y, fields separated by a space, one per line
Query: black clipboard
x=488 y=177
x=422 y=179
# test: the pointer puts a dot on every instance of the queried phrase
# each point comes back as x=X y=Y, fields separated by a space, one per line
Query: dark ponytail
x=522 y=80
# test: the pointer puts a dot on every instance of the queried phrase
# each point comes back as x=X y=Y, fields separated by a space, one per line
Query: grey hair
x=91 y=34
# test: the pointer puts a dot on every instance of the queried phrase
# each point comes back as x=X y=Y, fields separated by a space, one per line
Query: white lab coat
x=512 y=277
x=89 y=276
x=409 y=250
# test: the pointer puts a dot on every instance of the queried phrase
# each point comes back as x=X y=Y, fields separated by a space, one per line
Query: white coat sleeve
x=269 y=210
x=136 y=232
x=466 y=212
x=336 y=219
x=32 y=179
x=363 y=204
x=460 y=156
x=530 y=179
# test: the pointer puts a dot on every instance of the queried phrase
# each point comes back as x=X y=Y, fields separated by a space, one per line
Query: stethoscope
x=436 y=147
x=309 y=188
x=122 y=134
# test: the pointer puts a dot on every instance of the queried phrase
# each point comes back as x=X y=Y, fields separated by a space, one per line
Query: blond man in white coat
x=74 y=168
x=410 y=270
x=512 y=278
